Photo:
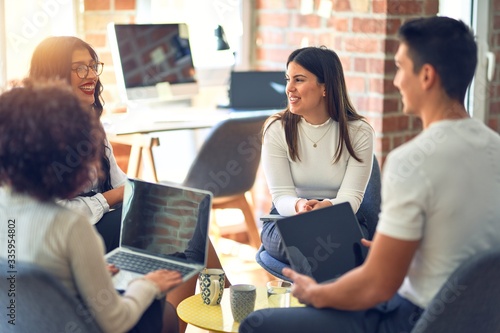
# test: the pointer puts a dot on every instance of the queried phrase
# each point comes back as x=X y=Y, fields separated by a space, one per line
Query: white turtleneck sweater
x=315 y=176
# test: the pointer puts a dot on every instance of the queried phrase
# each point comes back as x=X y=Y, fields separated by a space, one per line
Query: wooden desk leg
x=141 y=155
x=148 y=160
x=134 y=161
x=253 y=232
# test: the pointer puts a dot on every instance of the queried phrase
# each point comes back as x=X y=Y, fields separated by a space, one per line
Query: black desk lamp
x=221 y=39
x=222 y=44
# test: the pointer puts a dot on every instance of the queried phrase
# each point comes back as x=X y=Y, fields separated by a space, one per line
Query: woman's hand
x=165 y=279
x=113 y=269
x=301 y=207
x=304 y=205
x=316 y=204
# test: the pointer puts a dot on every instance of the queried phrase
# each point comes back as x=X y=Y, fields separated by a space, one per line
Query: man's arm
x=377 y=280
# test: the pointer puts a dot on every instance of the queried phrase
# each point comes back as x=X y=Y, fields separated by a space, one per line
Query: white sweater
x=315 y=176
x=67 y=245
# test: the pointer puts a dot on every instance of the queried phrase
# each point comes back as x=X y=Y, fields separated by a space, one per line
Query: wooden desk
x=218 y=318
x=138 y=131
x=141 y=152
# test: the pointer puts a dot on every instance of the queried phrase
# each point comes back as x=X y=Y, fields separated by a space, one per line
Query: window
x=27 y=23
x=475 y=13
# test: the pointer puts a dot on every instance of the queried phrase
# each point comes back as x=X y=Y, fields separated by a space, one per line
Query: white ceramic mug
x=212 y=281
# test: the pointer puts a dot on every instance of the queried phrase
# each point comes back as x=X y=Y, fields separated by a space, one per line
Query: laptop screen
x=168 y=221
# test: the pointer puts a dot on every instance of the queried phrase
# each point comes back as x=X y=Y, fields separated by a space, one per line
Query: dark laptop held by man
x=323 y=243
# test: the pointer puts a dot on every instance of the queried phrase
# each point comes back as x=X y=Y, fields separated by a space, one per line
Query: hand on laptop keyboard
x=165 y=280
x=113 y=269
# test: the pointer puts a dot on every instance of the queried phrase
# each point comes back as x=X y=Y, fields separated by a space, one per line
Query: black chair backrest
x=42 y=303
x=369 y=209
x=228 y=160
x=468 y=301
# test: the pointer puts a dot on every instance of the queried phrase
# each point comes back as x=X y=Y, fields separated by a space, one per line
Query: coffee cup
x=212 y=281
x=242 y=300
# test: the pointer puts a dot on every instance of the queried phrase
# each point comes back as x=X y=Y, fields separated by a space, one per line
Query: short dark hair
x=50 y=143
x=446 y=44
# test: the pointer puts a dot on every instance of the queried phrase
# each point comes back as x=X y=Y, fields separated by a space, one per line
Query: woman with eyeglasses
x=75 y=61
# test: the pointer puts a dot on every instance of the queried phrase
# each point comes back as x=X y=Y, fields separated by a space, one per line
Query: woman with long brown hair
x=75 y=61
x=319 y=151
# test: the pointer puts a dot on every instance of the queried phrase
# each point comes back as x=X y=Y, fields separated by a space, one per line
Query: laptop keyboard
x=144 y=265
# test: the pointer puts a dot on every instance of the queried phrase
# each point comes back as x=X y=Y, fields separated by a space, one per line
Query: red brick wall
x=93 y=25
x=362 y=32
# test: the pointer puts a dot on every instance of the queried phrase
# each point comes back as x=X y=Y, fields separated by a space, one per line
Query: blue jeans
x=398 y=315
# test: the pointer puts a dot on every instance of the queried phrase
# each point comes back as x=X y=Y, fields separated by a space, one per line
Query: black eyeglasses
x=82 y=70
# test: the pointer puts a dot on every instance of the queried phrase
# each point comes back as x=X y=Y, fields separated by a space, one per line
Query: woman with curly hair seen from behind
x=34 y=146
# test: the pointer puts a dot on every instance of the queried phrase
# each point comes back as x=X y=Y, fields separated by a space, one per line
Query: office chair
x=367 y=216
x=468 y=301
x=227 y=165
x=42 y=303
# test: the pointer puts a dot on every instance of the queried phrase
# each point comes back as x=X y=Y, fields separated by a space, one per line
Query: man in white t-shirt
x=439 y=199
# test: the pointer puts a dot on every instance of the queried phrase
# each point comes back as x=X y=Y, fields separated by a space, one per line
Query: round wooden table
x=218 y=318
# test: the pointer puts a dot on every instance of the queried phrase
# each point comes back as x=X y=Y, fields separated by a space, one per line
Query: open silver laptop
x=323 y=243
x=163 y=226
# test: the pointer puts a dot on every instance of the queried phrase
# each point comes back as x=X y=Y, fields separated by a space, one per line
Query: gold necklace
x=315 y=143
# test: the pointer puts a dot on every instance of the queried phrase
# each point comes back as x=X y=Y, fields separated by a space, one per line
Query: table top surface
x=218 y=318
x=186 y=118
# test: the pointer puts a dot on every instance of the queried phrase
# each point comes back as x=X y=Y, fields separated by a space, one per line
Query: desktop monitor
x=153 y=62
